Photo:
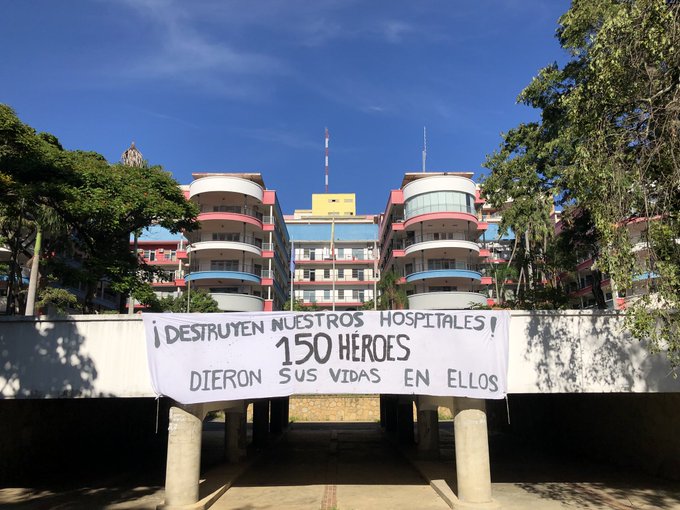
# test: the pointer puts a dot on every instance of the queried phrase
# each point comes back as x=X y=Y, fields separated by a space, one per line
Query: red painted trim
x=484 y=252
x=398 y=253
x=325 y=283
x=396 y=227
x=267 y=254
x=486 y=280
x=227 y=216
x=268 y=305
x=268 y=227
x=442 y=216
x=267 y=282
x=182 y=254
x=365 y=262
x=585 y=264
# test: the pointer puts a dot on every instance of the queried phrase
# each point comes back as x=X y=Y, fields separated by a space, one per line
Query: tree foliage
x=200 y=301
x=98 y=205
x=392 y=295
x=607 y=144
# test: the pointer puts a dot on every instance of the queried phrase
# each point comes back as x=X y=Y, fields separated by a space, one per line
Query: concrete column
x=391 y=414
x=260 y=422
x=276 y=417
x=428 y=434
x=184 y=457
x=473 y=469
x=405 y=421
x=286 y=412
x=234 y=445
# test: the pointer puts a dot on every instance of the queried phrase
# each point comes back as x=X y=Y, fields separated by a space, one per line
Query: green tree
x=392 y=295
x=200 y=301
x=99 y=205
x=608 y=144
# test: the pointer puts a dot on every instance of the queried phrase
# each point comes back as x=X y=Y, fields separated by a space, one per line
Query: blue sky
x=232 y=86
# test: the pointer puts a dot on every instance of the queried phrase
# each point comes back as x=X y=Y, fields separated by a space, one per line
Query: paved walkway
x=338 y=466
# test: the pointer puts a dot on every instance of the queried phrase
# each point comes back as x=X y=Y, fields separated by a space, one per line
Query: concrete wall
x=105 y=356
x=632 y=430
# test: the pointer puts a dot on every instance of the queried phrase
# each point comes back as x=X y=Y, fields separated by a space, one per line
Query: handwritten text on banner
x=197 y=358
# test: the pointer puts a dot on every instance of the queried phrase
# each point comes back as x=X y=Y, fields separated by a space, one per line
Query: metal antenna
x=424 y=147
x=327 y=137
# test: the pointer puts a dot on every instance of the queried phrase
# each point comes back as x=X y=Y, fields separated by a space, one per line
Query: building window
x=326 y=274
x=224 y=265
x=358 y=274
x=326 y=295
x=341 y=274
x=150 y=255
x=341 y=294
x=357 y=253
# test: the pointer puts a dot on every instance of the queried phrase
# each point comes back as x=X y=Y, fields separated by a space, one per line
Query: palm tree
x=392 y=295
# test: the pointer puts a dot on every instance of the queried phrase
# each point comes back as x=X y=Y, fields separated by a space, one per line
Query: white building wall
x=105 y=356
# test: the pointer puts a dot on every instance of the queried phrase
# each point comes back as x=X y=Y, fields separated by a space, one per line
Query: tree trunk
x=597 y=290
x=35 y=274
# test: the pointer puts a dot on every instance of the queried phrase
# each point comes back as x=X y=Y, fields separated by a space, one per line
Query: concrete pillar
x=184 y=457
x=286 y=412
x=391 y=414
x=260 y=422
x=276 y=417
x=405 y=421
x=428 y=434
x=473 y=468
x=382 y=411
x=234 y=445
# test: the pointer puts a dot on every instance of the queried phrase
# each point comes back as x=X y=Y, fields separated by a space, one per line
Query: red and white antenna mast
x=327 y=137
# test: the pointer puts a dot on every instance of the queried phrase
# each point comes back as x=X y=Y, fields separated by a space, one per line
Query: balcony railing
x=253 y=241
x=441 y=266
x=235 y=209
x=437 y=236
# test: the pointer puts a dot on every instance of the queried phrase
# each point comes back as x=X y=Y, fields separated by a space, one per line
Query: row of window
x=325 y=274
x=439 y=201
x=311 y=296
x=340 y=254
x=153 y=255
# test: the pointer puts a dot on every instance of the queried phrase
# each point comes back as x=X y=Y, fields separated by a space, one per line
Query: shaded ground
x=349 y=467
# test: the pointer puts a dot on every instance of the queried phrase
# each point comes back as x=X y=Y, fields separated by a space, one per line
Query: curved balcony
x=238 y=214
x=228 y=302
x=443 y=269
x=225 y=184
x=423 y=244
x=438 y=215
x=436 y=183
x=247 y=244
x=445 y=300
x=219 y=277
x=444 y=273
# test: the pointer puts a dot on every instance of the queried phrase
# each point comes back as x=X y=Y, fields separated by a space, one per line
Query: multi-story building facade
x=430 y=236
x=335 y=253
x=166 y=253
x=241 y=253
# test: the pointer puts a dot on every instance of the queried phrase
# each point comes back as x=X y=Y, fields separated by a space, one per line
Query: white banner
x=197 y=358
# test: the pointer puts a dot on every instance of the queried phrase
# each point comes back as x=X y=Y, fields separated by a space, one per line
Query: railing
x=235 y=209
x=253 y=241
x=239 y=268
x=360 y=278
x=411 y=212
x=442 y=265
x=443 y=236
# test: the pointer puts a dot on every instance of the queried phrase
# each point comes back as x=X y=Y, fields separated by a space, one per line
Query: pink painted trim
x=227 y=216
x=269 y=197
x=442 y=216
